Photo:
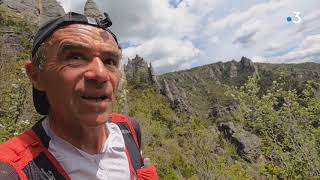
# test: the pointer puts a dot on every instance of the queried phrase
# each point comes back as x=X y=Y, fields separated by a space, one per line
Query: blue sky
x=181 y=34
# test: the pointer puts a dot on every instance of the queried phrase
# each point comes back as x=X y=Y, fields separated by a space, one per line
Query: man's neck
x=88 y=139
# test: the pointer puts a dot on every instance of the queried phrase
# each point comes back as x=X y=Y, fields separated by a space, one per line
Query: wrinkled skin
x=80 y=77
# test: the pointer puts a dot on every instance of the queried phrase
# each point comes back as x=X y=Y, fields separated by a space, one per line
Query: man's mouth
x=95 y=98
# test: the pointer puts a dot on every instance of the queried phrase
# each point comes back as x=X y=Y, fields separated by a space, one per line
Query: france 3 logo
x=296 y=19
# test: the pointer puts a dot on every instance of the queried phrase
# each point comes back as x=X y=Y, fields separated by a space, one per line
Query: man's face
x=81 y=74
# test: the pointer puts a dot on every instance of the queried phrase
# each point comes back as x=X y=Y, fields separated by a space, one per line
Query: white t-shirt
x=111 y=163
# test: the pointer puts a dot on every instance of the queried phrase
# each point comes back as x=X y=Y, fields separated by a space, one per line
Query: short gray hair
x=39 y=57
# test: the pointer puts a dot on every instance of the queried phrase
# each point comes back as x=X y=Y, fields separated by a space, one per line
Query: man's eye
x=75 y=57
x=110 y=61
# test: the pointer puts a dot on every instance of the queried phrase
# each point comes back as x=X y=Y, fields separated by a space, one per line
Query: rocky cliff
x=139 y=71
x=195 y=91
x=35 y=11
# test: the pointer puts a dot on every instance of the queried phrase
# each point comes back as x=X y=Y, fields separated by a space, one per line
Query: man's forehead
x=82 y=31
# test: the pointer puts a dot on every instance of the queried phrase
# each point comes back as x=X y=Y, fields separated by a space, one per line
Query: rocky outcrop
x=35 y=11
x=176 y=97
x=28 y=8
x=91 y=10
x=216 y=111
x=180 y=105
x=137 y=70
x=219 y=111
x=233 y=71
x=167 y=91
x=49 y=9
x=247 y=65
x=316 y=92
x=140 y=73
x=246 y=143
x=154 y=78
x=213 y=76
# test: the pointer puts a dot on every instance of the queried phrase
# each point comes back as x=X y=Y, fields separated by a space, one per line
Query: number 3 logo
x=297 y=19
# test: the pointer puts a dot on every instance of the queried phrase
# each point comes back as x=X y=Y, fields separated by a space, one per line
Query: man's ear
x=34 y=75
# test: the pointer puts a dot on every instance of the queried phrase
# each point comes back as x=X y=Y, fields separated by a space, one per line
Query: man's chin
x=94 y=119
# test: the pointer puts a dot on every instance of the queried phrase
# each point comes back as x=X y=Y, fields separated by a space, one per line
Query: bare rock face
x=246 y=143
x=180 y=105
x=27 y=8
x=137 y=70
x=212 y=74
x=91 y=10
x=154 y=78
x=219 y=111
x=247 y=65
x=167 y=91
x=50 y=9
x=316 y=92
x=176 y=96
x=233 y=72
x=216 y=111
x=35 y=11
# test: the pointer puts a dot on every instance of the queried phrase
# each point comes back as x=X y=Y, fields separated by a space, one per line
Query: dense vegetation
x=286 y=122
x=282 y=113
x=182 y=147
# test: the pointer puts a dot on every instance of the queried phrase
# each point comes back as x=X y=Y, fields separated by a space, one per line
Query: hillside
x=231 y=120
x=237 y=119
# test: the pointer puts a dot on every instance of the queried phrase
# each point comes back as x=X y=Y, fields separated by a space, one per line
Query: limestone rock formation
x=91 y=10
x=137 y=70
x=246 y=143
x=233 y=71
x=154 y=78
x=218 y=111
x=179 y=102
x=166 y=91
x=248 y=66
x=50 y=9
x=35 y=11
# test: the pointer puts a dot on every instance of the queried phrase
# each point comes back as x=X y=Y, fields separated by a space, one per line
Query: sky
x=180 y=34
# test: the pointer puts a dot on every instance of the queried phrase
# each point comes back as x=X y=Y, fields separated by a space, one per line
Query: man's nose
x=97 y=71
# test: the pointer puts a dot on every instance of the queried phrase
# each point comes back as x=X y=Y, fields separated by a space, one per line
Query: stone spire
x=91 y=10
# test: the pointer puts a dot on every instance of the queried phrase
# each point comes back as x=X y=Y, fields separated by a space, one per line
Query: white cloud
x=245 y=35
x=199 y=7
x=178 y=34
x=138 y=21
x=308 y=50
x=165 y=54
x=240 y=17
